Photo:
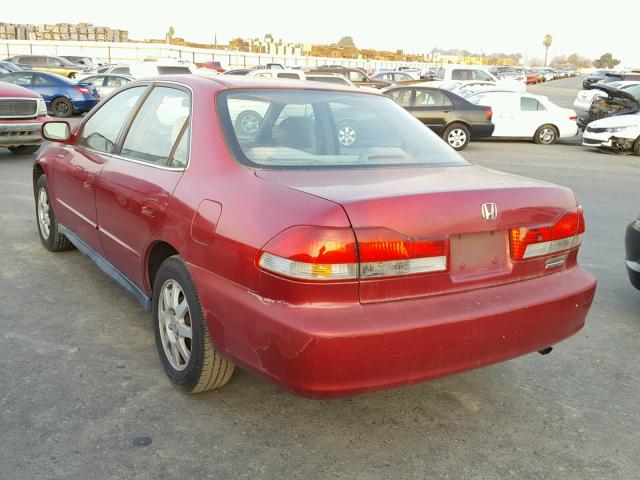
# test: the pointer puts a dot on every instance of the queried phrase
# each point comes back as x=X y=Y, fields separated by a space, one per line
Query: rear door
x=531 y=116
x=138 y=181
x=432 y=107
x=78 y=167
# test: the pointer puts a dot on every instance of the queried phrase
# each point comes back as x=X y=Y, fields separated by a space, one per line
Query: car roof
x=224 y=82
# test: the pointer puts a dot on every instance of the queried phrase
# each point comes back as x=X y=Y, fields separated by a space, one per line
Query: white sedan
x=618 y=132
x=527 y=116
x=105 y=84
x=584 y=98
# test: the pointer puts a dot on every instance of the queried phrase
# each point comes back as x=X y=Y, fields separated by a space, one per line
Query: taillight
x=530 y=242
x=312 y=253
x=386 y=253
x=573 y=117
x=83 y=90
x=330 y=254
x=489 y=113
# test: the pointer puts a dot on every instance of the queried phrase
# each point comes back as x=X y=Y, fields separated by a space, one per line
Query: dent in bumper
x=339 y=350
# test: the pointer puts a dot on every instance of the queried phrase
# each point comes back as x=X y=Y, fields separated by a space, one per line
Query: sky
x=515 y=26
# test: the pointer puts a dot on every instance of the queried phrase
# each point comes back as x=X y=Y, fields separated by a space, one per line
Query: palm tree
x=547 y=43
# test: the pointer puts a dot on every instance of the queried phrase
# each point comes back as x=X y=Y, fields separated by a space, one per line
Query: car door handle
x=150 y=207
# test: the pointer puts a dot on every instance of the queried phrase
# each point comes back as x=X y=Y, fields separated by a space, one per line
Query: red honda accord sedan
x=317 y=235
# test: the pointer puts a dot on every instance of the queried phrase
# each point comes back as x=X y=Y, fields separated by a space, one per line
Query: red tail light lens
x=312 y=253
x=563 y=235
x=573 y=117
x=329 y=254
x=83 y=90
x=385 y=253
x=489 y=113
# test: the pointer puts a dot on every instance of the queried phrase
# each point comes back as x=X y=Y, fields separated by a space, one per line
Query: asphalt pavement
x=83 y=395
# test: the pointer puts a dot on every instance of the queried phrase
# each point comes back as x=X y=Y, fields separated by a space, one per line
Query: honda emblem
x=489 y=211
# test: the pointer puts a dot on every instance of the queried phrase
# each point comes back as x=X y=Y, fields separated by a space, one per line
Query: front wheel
x=182 y=338
x=24 y=149
x=636 y=147
x=46 y=219
x=546 y=135
x=61 y=107
x=457 y=136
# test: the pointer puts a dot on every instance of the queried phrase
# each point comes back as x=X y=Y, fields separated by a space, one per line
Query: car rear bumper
x=339 y=350
x=84 y=105
x=21 y=132
x=632 y=248
x=482 y=130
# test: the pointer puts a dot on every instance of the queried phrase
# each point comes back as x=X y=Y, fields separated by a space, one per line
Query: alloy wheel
x=547 y=135
x=250 y=124
x=347 y=136
x=175 y=324
x=457 y=138
x=44 y=220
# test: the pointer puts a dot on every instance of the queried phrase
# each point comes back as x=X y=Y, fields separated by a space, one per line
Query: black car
x=616 y=102
x=632 y=244
x=452 y=117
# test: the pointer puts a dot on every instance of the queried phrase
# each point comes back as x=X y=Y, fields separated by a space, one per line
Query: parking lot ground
x=83 y=395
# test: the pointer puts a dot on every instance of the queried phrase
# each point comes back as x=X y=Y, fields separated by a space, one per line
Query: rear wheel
x=457 y=136
x=47 y=221
x=24 y=149
x=61 y=107
x=546 y=135
x=347 y=134
x=636 y=147
x=182 y=338
x=248 y=122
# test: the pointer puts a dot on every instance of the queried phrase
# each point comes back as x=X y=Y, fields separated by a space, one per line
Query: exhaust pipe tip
x=545 y=351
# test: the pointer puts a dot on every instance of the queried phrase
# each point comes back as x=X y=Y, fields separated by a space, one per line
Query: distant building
x=62 y=31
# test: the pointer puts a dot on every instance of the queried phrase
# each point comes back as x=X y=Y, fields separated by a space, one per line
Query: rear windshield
x=293 y=129
x=173 y=70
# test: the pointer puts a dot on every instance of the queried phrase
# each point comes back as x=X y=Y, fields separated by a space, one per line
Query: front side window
x=158 y=126
x=293 y=76
x=97 y=81
x=116 y=81
x=103 y=127
x=356 y=76
x=461 y=74
x=23 y=79
x=318 y=129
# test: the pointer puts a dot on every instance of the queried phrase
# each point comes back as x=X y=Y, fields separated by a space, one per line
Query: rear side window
x=461 y=74
x=125 y=70
x=319 y=129
x=116 y=81
x=356 y=76
x=431 y=98
x=40 y=80
x=23 y=79
x=102 y=128
x=402 y=97
x=530 y=105
x=158 y=126
x=293 y=76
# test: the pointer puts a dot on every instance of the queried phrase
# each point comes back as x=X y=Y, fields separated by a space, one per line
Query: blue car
x=64 y=97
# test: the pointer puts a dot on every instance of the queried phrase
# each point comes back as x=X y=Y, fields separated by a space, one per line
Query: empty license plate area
x=479 y=254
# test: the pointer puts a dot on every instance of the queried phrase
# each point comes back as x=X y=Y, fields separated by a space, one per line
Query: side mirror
x=56 y=131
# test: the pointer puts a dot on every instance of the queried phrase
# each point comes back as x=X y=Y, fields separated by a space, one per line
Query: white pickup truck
x=449 y=76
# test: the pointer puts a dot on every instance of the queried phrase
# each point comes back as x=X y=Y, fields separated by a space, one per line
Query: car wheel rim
x=457 y=138
x=249 y=124
x=61 y=109
x=347 y=136
x=174 y=322
x=44 y=221
x=547 y=135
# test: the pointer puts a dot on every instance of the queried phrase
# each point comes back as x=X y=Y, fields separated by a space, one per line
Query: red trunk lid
x=436 y=202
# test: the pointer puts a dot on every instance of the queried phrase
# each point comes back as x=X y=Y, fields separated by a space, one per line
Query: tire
x=457 y=136
x=61 y=107
x=24 y=149
x=46 y=219
x=347 y=134
x=636 y=147
x=204 y=369
x=247 y=122
x=546 y=135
